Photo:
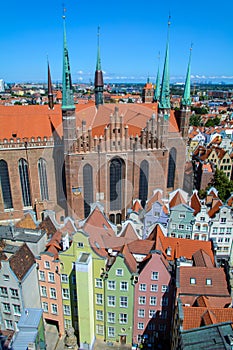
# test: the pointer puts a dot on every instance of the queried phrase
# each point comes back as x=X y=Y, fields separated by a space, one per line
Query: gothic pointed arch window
x=24 y=181
x=5 y=185
x=88 y=188
x=143 y=182
x=116 y=189
x=42 y=171
x=171 y=168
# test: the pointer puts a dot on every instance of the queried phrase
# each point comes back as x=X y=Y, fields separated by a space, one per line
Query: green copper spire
x=157 y=87
x=99 y=82
x=186 y=99
x=67 y=90
x=164 y=101
x=98 y=63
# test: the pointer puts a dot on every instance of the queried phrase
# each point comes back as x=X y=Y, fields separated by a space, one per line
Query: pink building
x=153 y=301
x=50 y=284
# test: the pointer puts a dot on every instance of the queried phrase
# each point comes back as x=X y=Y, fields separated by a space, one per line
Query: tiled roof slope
x=195 y=317
x=97 y=223
x=37 y=120
x=182 y=247
x=22 y=261
x=195 y=203
x=26 y=222
x=218 y=286
x=201 y=258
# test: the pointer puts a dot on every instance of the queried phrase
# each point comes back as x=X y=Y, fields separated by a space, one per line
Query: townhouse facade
x=181 y=220
x=18 y=278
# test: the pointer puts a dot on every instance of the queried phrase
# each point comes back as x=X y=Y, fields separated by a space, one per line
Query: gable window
x=208 y=281
x=154 y=275
x=192 y=280
x=41 y=276
x=154 y=288
x=119 y=272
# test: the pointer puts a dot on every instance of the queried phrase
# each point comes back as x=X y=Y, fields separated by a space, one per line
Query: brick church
x=64 y=157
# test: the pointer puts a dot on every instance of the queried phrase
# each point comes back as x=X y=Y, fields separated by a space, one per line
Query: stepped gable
x=26 y=222
x=195 y=203
x=97 y=222
x=201 y=258
x=22 y=261
x=135 y=116
x=128 y=233
x=48 y=226
x=218 y=286
x=181 y=247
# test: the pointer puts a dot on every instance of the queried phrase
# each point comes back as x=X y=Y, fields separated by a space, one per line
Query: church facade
x=66 y=157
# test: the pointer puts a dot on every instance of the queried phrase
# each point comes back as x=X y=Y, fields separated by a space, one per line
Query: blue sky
x=132 y=35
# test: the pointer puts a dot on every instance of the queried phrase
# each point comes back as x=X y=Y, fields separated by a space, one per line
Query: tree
x=213 y=122
x=222 y=185
x=195 y=120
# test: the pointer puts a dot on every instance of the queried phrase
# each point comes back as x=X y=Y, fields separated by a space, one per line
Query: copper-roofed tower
x=164 y=100
x=68 y=107
x=99 y=82
x=186 y=103
x=50 y=90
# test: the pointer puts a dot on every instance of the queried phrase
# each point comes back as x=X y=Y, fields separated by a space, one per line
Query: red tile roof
x=195 y=202
x=218 y=286
x=195 y=317
x=129 y=233
x=182 y=247
x=177 y=199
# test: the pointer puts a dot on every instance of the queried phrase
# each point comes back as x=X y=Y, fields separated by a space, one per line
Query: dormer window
x=192 y=280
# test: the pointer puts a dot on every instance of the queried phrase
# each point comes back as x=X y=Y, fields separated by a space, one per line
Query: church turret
x=147 y=92
x=164 y=100
x=186 y=103
x=99 y=82
x=68 y=107
x=50 y=90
